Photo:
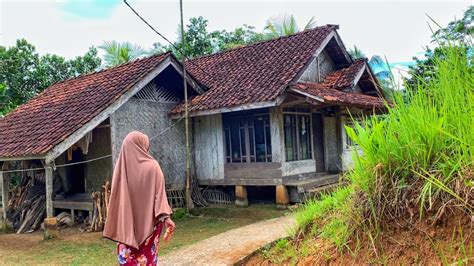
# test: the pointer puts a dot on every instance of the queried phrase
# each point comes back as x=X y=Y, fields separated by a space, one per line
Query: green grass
x=415 y=160
x=90 y=248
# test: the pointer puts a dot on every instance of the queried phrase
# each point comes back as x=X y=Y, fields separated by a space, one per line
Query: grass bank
x=415 y=175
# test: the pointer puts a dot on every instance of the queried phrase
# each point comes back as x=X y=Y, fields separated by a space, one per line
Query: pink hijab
x=138 y=194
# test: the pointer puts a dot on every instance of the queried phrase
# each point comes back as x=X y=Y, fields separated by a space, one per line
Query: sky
x=396 y=29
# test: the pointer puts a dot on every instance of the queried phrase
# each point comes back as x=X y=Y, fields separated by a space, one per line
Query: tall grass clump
x=416 y=160
x=420 y=155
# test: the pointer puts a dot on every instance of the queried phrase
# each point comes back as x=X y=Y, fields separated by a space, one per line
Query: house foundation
x=241 y=197
x=282 y=197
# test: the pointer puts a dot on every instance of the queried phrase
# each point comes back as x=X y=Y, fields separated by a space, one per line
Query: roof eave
x=241 y=107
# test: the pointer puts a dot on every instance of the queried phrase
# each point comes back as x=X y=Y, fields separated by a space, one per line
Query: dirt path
x=231 y=246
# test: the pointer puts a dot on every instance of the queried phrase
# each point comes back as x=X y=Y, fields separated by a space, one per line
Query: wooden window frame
x=246 y=124
x=296 y=132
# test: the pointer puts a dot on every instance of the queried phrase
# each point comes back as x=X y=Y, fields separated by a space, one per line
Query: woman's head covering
x=138 y=194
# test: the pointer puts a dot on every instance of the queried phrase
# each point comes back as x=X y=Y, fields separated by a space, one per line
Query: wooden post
x=241 y=199
x=49 y=190
x=282 y=196
x=189 y=200
x=5 y=183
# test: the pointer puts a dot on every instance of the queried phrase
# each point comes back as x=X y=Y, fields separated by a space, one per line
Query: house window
x=247 y=138
x=297 y=126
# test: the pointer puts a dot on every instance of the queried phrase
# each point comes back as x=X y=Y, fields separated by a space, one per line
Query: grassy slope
x=90 y=248
x=416 y=171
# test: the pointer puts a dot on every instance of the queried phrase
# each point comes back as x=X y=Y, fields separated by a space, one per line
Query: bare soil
x=450 y=241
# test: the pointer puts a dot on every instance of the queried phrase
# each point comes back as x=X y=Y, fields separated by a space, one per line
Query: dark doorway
x=318 y=140
x=76 y=174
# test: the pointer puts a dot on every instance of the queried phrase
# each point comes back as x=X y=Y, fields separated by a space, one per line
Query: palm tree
x=356 y=53
x=284 y=25
x=118 y=53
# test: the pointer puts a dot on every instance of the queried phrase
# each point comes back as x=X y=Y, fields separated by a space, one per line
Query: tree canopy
x=24 y=73
x=200 y=41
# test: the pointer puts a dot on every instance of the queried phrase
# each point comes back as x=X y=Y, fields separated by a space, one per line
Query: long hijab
x=138 y=196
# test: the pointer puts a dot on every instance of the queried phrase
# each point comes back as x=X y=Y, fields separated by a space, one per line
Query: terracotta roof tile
x=335 y=96
x=345 y=77
x=49 y=118
x=254 y=73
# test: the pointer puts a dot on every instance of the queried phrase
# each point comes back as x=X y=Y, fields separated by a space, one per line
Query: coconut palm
x=118 y=53
x=356 y=53
x=284 y=25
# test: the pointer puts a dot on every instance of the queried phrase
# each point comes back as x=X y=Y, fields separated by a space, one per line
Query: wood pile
x=27 y=205
x=99 y=215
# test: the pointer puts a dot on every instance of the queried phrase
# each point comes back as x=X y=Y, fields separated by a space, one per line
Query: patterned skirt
x=147 y=254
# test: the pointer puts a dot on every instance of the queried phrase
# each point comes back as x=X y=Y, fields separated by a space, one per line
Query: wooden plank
x=252 y=170
x=73 y=205
x=231 y=109
x=242 y=182
x=318 y=140
x=5 y=183
x=49 y=190
x=316 y=53
x=276 y=135
x=209 y=147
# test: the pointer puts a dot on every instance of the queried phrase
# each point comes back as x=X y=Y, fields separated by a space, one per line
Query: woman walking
x=138 y=208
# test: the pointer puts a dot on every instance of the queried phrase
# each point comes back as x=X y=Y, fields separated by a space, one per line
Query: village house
x=270 y=114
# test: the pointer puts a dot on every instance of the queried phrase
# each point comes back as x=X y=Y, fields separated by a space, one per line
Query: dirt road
x=231 y=246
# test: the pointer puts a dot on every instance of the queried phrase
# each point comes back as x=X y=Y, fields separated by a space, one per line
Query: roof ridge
x=111 y=68
x=266 y=41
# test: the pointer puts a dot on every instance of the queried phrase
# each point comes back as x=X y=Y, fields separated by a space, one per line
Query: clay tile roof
x=329 y=95
x=345 y=77
x=254 y=73
x=37 y=126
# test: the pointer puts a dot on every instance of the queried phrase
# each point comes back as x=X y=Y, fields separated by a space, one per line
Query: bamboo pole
x=189 y=201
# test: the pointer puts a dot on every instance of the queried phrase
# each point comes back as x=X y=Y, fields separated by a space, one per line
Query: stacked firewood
x=27 y=205
x=101 y=203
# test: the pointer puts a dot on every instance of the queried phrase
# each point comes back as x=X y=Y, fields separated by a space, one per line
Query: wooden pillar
x=241 y=199
x=49 y=189
x=5 y=184
x=282 y=196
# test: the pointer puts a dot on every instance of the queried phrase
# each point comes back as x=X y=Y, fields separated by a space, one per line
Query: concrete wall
x=151 y=118
x=209 y=147
x=298 y=167
x=326 y=65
